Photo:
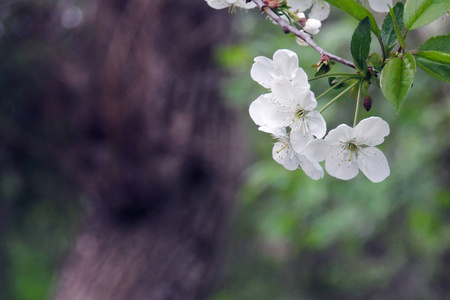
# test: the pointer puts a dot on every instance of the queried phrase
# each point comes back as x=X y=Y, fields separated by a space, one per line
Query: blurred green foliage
x=295 y=238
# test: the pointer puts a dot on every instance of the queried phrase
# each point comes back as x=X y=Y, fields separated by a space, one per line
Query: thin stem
x=327 y=91
x=287 y=28
x=292 y=15
x=383 y=49
x=333 y=74
x=357 y=103
x=338 y=96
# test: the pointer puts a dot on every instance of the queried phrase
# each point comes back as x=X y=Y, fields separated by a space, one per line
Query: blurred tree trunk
x=155 y=150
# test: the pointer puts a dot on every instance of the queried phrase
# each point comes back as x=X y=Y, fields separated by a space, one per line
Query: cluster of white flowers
x=319 y=10
x=287 y=113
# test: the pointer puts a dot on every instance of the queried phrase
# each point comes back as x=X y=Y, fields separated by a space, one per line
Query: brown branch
x=287 y=28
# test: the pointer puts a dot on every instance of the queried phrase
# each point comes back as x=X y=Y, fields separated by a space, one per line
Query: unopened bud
x=367 y=103
x=301 y=15
x=273 y=4
x=324 y=65
x=312 y=26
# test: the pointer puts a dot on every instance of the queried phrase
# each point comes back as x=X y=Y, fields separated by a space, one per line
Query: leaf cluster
x=394 y=71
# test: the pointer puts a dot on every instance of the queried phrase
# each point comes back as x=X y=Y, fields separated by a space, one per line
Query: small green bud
x=375 y=60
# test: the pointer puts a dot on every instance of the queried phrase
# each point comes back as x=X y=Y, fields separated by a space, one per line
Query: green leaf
x=357 y=11
x=440 y=57
x=435 y=63
x=438 y=43
x=360 y=45
x=419 y=13
x=398 y=32
x=396 y=79
x=387 y=30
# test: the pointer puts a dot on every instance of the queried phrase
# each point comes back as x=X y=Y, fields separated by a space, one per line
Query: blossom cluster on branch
x=288 y=113
x=288 y=110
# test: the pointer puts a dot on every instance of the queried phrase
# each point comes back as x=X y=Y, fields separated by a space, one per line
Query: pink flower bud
x=367 y=103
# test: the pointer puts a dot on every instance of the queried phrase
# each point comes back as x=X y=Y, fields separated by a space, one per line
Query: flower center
x=352 y=147
x=300 y=114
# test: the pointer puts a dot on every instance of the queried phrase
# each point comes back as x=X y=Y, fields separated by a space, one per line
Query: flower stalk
x=357 y=103
x=338 y=96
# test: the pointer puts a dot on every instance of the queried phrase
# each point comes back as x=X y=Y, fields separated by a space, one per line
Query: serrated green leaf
x=357 y=11
x=387 y=30
x=438 y=43
x=435 y=63
x=419 y=13
x=360 y=45
x=398 y=32
x=396 y=79
x=440 y=57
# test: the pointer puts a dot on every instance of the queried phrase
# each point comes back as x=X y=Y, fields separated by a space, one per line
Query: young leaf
x=438 y=43
x=439 y=57
x=357 y=11
x=387 y=30
x=360 y=45
x=435 y=63
x=397 y=77
x=398 y=32
x=419 y=13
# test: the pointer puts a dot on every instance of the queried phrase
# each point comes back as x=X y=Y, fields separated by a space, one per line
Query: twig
x=287 y=28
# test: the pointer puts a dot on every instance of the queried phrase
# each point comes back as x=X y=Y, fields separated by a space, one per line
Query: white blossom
x=284 y=64
x=220 y=4
x=284 y=154
x=290 y=105
x=380 y=5
x=319 y=8
x=301 y=15
x=347 y=150
x=312 y=26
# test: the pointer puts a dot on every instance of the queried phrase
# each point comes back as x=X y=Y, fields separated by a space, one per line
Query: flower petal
x=371 y=131
x=318 y=150
x=285 y=63
x=320 y=10
x=341 y=164
x=307 y=101
x=243 y=4
x=380 y=5
x=296 y=97
x=373 y=164
x=342 y=133
x=263 y=71
x=300 y=5
x=284 y=155
x=316 y=123
x=300 y=138
x=312 y=169
x=265 y=112
x=278 y=132
x=300 y=78
x=218 y=4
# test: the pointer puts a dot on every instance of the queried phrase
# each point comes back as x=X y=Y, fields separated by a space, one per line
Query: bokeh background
x=290 y=237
